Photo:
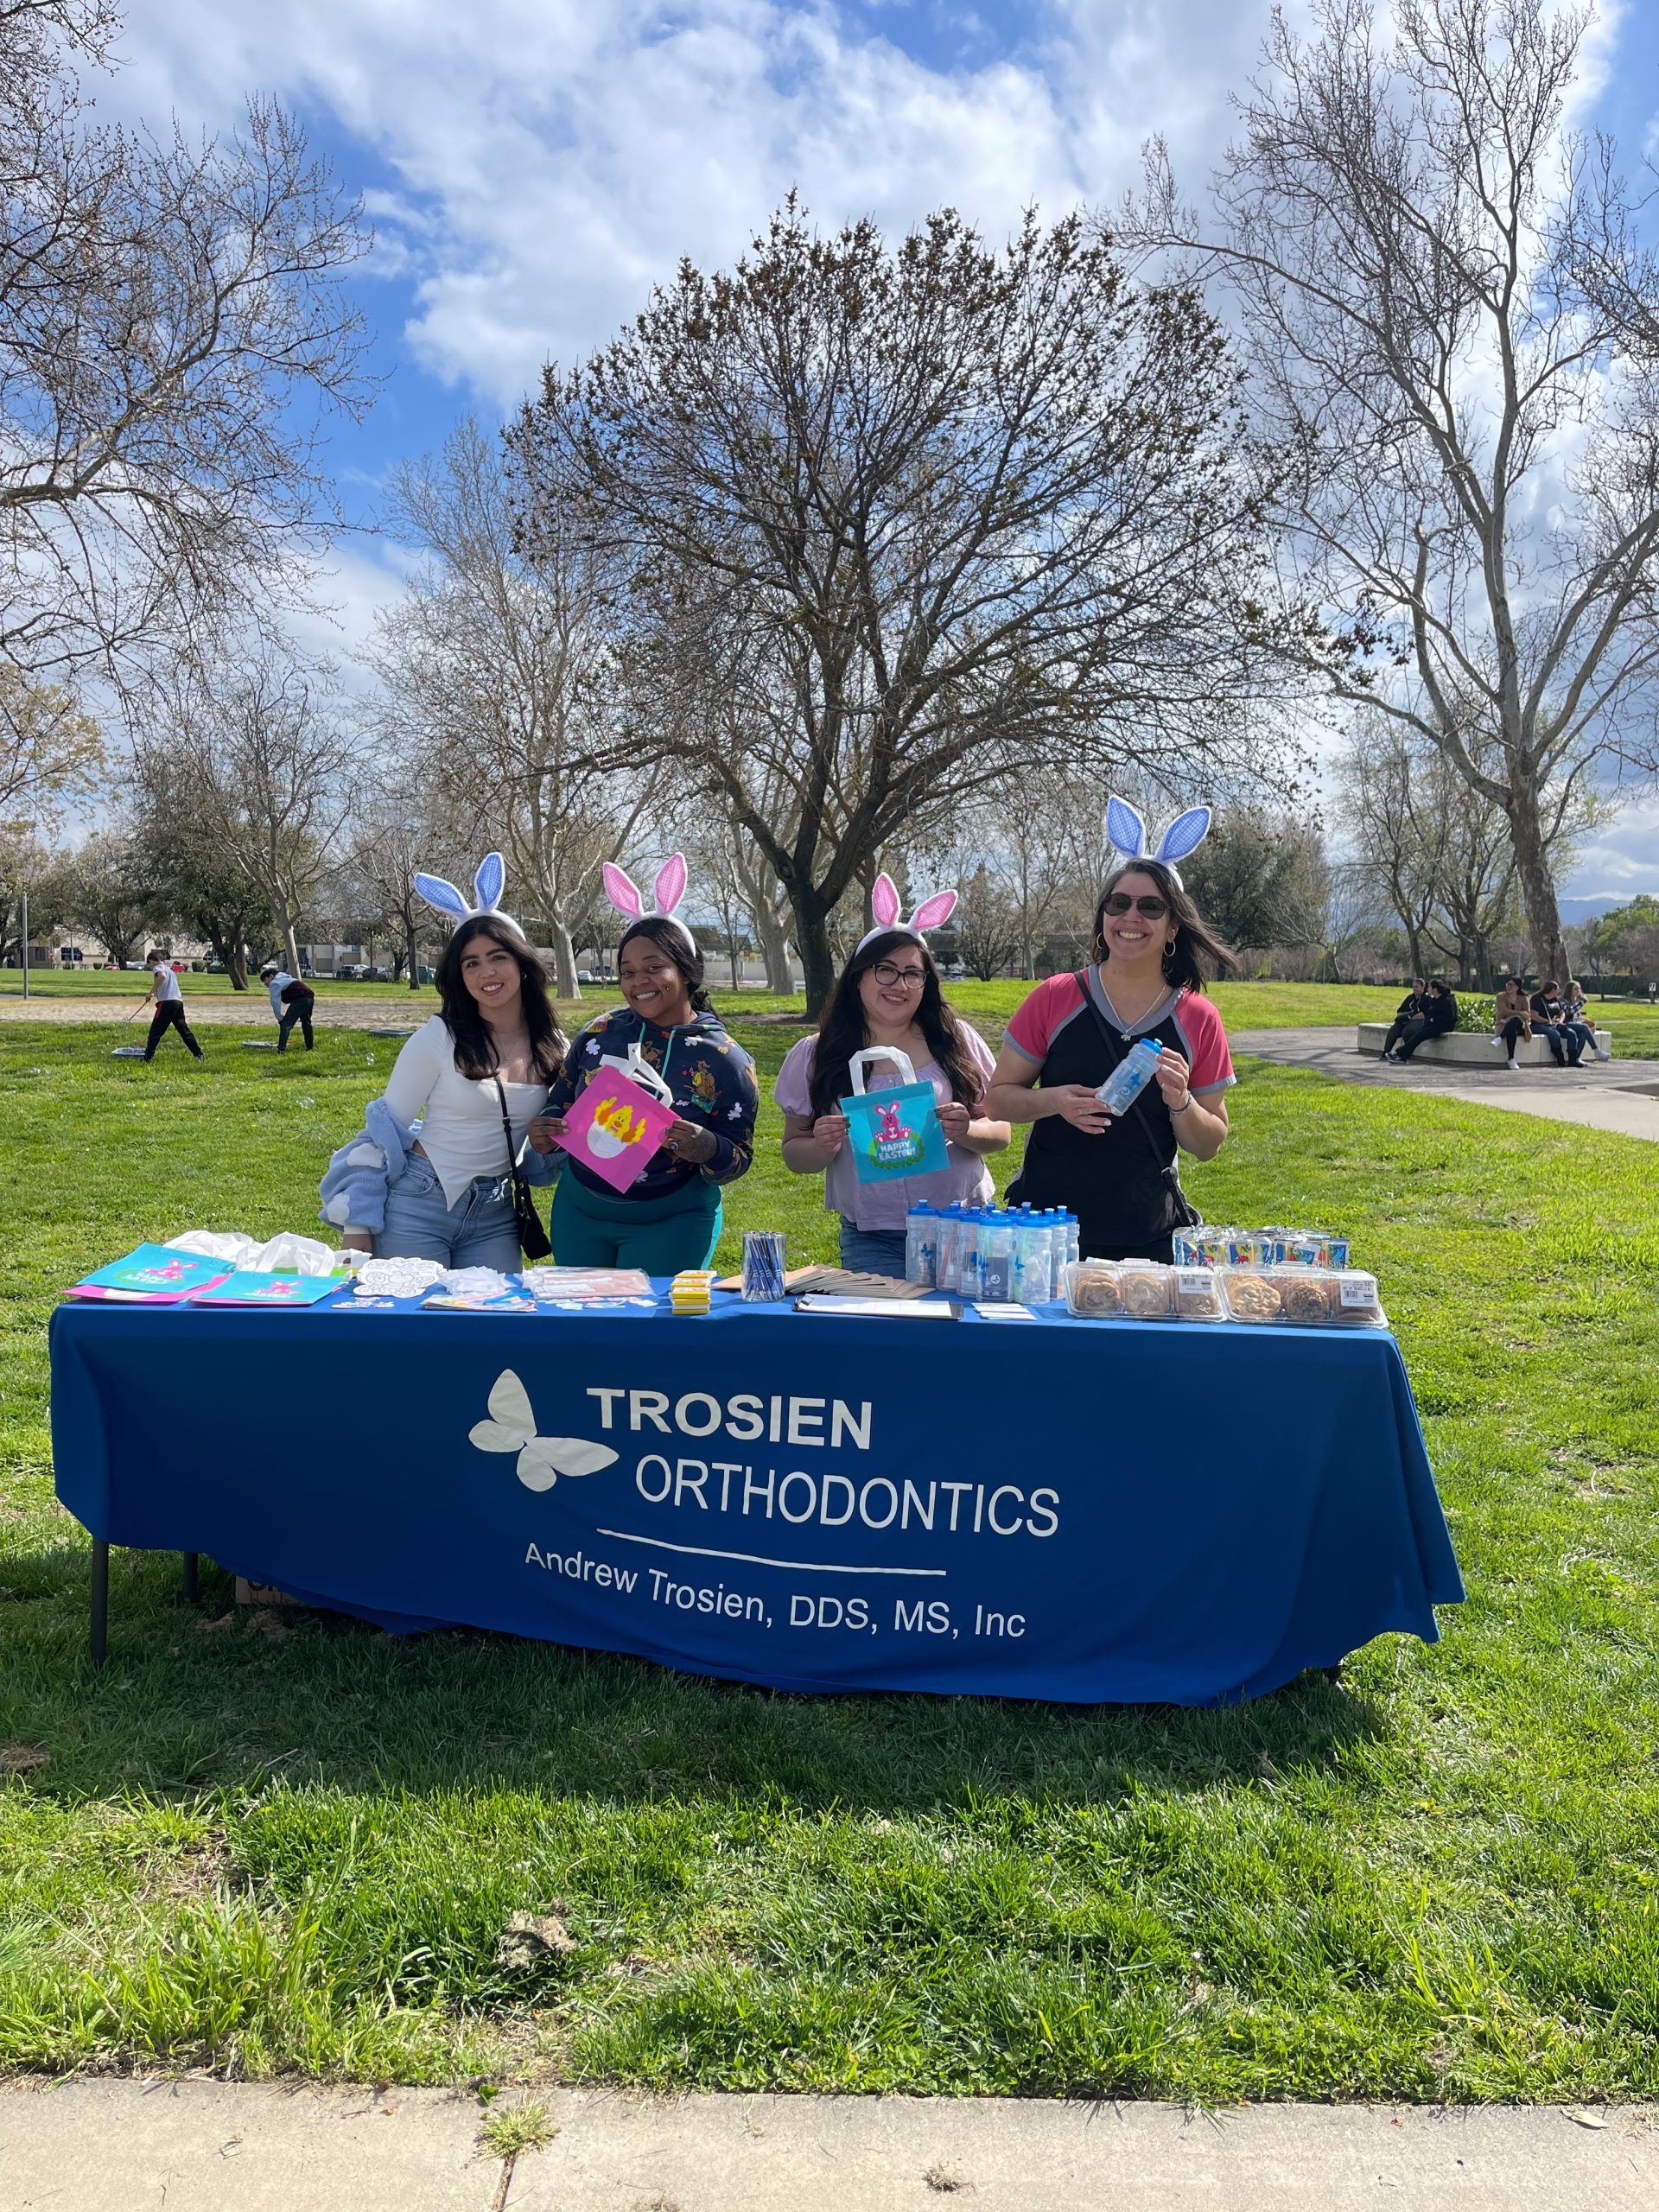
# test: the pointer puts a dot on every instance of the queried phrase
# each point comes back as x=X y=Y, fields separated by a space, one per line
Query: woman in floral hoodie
x=670 y=1218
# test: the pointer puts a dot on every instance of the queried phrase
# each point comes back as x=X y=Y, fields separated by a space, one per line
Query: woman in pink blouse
x=888 y=994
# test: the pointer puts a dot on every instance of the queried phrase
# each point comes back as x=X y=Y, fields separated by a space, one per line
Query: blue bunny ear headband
x=488 y=886
x=1126 y=826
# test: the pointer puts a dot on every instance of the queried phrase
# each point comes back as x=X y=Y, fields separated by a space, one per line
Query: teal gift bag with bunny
x=896 y=1131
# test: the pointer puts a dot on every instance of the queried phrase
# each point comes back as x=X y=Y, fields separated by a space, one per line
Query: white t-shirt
x=167 y=983
x=460 y=1116
x=275 y=987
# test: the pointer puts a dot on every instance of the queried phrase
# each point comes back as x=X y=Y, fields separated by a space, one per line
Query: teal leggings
x=662 y=1236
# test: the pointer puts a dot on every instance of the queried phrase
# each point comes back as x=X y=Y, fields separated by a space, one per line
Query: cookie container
x=1197 y=1295
x=1090 y=1289
x=1251 y=1294
x=1357 y=1306
x=1148 y=1290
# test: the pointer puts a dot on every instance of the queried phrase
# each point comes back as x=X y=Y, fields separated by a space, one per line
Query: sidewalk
x=104 y=2146
x=1622 y=1096
x=383 y=1017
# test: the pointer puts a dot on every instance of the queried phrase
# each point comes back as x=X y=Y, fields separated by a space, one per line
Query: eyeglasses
x=1154 y=908
x=912 y=978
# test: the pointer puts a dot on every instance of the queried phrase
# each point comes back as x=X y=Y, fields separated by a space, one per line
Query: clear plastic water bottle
x=1030 y=1259
x=1068 y=1233
x=921 y=1242
x=997 y=1257
x=953 y=1234
x=970 y=1253
x=1130 y=1076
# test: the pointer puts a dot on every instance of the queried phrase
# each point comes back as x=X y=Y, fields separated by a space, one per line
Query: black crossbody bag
x=1186 y=1214
x=533 y=1241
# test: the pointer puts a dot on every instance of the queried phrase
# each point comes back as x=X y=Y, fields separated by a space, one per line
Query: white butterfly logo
x=542 y=1460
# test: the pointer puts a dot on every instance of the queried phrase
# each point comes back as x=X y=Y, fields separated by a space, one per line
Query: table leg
x=192 y=1577
x=100 y=1602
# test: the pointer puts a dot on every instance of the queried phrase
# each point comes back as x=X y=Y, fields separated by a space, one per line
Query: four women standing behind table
x=1115 y=1171
x=889 y=995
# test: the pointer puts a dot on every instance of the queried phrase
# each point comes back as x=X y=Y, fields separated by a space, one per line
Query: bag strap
x=518 y=1180
x=871 y=1057
x=1190 y=1218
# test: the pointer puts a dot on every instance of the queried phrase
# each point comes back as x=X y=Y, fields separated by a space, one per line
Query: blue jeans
x=477 y=1231
x=873 y=1251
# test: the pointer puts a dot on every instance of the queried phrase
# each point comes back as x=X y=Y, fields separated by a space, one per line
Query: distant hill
x=1584 y=910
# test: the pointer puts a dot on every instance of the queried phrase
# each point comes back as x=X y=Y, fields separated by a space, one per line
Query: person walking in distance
x=291 y=1000
x=169 y=1008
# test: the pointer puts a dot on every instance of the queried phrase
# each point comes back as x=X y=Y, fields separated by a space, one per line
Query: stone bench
x=1470 y=1047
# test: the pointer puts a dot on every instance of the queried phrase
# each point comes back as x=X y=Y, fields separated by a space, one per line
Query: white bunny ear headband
x=488 y=886
x=668 y=891
x=1126 y=826
x=885 y=905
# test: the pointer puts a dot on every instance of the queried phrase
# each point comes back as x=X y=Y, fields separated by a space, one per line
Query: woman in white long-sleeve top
x=430 y=1177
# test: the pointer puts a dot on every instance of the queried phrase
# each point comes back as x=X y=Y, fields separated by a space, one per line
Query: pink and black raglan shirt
x=1114 y=1183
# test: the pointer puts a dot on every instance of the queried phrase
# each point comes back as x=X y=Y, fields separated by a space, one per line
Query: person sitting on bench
x=1407 y=1010
x=1438 y=1015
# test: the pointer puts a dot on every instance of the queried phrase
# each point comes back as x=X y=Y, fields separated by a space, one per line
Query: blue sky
x=531 y=165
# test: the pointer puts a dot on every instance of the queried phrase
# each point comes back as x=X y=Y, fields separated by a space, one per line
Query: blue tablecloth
x=1081 y=1511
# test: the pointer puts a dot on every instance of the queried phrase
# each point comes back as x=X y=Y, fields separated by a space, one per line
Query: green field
x=1243 y=1006
x=254 y=1851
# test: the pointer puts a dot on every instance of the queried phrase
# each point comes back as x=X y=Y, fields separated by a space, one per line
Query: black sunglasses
x=1153 y=907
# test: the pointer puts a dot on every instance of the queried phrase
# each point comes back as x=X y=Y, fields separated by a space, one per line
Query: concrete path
x=251 y=1011
x=102 y=2146
x=1618 y=1094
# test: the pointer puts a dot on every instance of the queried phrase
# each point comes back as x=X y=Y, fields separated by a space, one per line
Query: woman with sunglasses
x=1118 y=1174
x=887 y=994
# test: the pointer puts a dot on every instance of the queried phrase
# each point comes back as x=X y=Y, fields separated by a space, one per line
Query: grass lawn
x=1440 y=1879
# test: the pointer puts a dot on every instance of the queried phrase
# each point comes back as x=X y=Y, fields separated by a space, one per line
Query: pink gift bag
x=616 y=1126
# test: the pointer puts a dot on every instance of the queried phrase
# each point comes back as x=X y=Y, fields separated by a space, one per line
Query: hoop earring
x=1169 y=953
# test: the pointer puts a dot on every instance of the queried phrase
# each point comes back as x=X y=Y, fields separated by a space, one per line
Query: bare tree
x=176 y=843
x=171 y=313
x=270 y=764
x=504 y=683
x=394 y=838
x=1389 y=804
x=113 y=887
x=1455 y=331
x=928 y=509
x=28 y=867
x=51 y=753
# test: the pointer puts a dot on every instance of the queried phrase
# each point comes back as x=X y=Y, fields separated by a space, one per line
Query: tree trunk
x=1537 y=882
x=812 y=938
x=774 y=949
x=412 y=954
x=290 y=945
x=565 y=959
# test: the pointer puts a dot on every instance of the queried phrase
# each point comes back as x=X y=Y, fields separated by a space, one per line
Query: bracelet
x=1182 y=1108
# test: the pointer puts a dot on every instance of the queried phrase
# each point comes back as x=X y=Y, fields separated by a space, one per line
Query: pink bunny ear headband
x=885 y=903
x=1126 y=827
x=488 y=884
x=668 y=891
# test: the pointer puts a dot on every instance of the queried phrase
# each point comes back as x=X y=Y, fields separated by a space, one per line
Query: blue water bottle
x=1130 y=1076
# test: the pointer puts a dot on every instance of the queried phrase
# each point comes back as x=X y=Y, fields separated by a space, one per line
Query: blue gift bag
x=895 y=1133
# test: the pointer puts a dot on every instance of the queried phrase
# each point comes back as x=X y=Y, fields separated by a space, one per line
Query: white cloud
x=553 y=159
x=1620 y=859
